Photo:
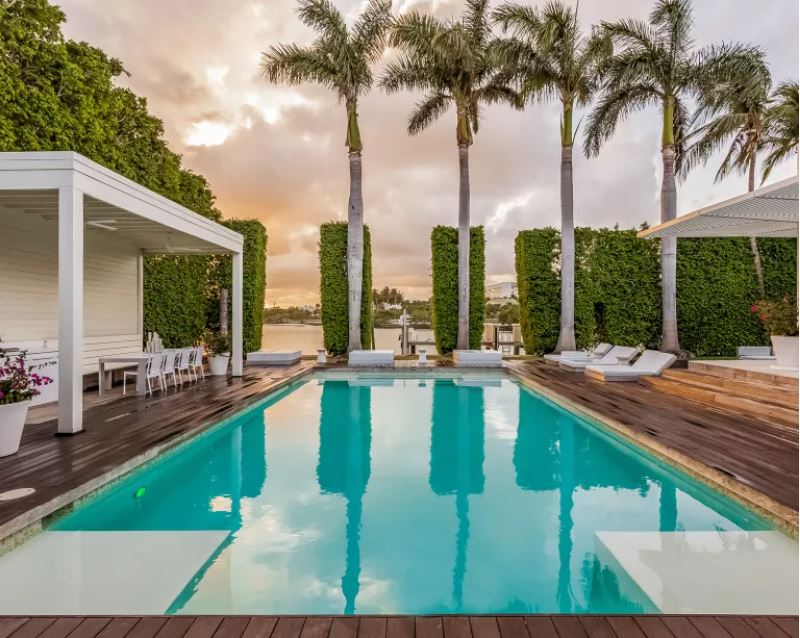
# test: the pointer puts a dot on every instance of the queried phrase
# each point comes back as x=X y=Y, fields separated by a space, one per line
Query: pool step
x=757 y=391
x=742 y=374
x=738 y=400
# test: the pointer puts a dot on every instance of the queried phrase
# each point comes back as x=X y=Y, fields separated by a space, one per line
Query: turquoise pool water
x=407 y=496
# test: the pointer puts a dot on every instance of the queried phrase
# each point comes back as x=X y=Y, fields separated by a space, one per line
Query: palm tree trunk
x=751 y=186
x=669 y=312
x=462 y=339
x=566 y=337
x=355 y=253
x=669 y=245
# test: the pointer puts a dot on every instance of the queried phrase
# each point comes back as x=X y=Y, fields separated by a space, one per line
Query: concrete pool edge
x=33 y=521
x=784 y=518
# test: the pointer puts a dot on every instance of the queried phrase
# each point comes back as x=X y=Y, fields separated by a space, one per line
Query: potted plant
x=218 y=346
x=780 y=319
x=18 y=385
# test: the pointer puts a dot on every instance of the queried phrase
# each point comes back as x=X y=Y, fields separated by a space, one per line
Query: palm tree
x=450 y=61
x=782 y=126
x=654 y=64
x=735 y=114
x=339 y=59
x=551 y=58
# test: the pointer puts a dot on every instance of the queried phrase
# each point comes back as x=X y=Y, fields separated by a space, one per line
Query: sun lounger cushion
x=596 y=353
x=612 y=357
x=651 y=364
x=371 y=359
x=273 y=358
x=477 y=358
x=754 y=352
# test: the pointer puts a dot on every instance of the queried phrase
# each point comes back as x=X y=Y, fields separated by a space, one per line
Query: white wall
x=29 y=282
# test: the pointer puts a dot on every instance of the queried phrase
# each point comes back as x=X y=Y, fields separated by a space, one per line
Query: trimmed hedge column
x=539 y=288
x=444 y=263
x=254 y=282
x=333 y=287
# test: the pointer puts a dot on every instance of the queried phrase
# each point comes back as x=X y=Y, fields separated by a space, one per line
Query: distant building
x=502 y=291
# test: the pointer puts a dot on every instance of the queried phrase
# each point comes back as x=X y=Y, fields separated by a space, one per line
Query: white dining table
x=139 y=358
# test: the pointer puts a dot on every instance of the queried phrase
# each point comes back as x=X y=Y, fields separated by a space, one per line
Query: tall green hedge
x=333 y=287
x=618 y=278
x=181 y=294
x=444 y=267
x=254 y=282
x=538 y=283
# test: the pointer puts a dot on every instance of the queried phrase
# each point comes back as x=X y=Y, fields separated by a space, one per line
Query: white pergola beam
x=70 y=310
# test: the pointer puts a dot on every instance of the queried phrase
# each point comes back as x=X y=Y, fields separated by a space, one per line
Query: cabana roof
x=771 y=211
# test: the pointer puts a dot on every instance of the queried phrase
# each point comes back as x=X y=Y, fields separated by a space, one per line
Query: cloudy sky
x=278 y=154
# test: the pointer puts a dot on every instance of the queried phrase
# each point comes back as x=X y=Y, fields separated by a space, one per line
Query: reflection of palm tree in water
x=345 y=437
x=566 y=489
x=457 y=461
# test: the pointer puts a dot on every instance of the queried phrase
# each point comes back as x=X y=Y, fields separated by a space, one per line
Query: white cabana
x=73 y=235
x=770 y=211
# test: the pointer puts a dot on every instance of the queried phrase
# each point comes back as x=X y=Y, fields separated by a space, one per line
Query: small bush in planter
x=779 y=316
x=17 y=380
x=217 y=343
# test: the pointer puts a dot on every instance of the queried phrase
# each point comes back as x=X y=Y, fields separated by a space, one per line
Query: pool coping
x=784 y=518
x=35 y=520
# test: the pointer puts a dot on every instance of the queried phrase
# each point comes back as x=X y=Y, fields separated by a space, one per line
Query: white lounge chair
x=595 y=353
x=615 y=356
x=169 y=367
x=371 y=359
x=273 y=358
x=651 y=364
x=757 y=353
x=477 y=359
x=182 y=364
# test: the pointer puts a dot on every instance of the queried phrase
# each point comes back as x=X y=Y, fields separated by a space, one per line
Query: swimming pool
x=350 y=494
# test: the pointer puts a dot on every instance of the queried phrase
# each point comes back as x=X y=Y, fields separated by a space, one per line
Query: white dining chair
x=182 y=364
x=197 y=363
x=168 y=367
x=153 y=370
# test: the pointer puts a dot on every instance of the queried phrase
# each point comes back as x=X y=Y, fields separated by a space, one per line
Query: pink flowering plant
x=18 y=381
x=779 y=316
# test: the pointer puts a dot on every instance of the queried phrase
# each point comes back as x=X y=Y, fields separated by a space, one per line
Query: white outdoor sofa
x=615 y=356
x=477 y=359
x=273 y=358
x=371 y=359
x=596 y=353
x=651 y=364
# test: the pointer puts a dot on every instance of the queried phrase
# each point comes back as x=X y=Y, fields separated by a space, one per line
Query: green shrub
x=333 y=287
x=625 y=272
x=779 y=263
x=716 y=288
x=253 y=282
x=538 y=283
x=444 y=266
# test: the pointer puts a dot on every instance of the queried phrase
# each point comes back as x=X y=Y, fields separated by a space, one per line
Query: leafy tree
x=450 y=61
x=339 y=59
x=735 y=119
x=655 y=64
x=782 y=126
x=552 y=58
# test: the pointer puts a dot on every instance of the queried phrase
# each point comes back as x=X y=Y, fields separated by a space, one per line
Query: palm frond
x=476 y=20
x=673 y=20
x=324 y=18
x=612 y=107
x=520 y=20
x=369 y=31
x=427 y=111
x=781 y=124
x=406 y=72
x=292 y=64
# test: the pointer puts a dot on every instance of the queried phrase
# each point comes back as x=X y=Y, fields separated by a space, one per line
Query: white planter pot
x=786 y=351
x=12 y=420
x=219 y=364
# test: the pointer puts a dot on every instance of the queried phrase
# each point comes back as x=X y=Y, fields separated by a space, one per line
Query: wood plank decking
x=753 y=452
x=402 y=627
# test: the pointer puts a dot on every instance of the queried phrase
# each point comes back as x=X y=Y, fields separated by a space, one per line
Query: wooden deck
x=118 y=432
x=757 y=454
x=403 y=627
